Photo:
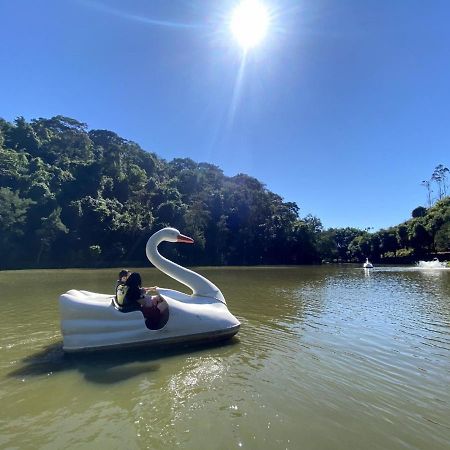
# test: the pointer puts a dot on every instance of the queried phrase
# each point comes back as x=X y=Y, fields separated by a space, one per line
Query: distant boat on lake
x=433 y=264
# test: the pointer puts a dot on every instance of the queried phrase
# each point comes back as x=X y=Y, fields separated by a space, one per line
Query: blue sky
x=344 y=108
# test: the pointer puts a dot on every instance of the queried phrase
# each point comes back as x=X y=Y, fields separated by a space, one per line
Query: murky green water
x=327 y=358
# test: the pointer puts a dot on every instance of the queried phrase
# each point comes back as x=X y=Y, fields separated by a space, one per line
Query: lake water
x=328 y=357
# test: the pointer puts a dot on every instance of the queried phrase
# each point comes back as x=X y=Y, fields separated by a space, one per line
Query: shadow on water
x=109 y=366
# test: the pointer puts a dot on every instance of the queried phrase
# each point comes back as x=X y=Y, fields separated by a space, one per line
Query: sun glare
x=249 y=23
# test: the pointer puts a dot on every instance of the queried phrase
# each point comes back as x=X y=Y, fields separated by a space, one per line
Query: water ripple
x=326 y=357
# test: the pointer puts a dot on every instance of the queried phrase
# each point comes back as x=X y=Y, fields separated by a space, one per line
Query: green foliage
x=85 y=197
x=442 y=238
x=94 y=253
x=420 y=211
x=70 y=196
x=13 y=223
x=405 y=252
x=360 y=247
x=51 y=228
x=13 y=210
x=426 y=232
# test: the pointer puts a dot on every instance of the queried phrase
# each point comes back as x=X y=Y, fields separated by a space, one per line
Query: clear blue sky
x=344 y=108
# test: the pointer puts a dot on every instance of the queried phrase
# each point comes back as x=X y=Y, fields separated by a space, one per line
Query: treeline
x=70 y=197
x=426 y=233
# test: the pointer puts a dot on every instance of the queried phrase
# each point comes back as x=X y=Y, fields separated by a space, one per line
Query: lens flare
x=249 y=23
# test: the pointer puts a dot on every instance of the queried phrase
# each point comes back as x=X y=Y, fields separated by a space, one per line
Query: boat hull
x=91 y=321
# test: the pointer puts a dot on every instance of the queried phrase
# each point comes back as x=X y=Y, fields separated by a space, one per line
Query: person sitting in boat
x=122 y=279
x=120 y=283
x=132 y=295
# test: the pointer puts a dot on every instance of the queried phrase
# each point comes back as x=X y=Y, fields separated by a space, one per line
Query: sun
x=249 y=23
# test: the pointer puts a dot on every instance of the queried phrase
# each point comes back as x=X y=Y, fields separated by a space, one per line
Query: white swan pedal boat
x=92 y=321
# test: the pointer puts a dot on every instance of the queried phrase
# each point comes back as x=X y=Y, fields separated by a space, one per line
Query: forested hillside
x=71 y=197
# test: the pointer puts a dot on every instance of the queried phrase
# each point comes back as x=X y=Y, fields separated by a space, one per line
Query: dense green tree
x=13 y=212
x=326 y=246
x=72 y=196
x=342 y=238
x=419 y=236
x=13 y=223
x=442 y=238
x=360 y=247
x=14 y=168
x=51 y=228
x=388 y=241
x=420 y=211
x=22 y=137
x=402 y=235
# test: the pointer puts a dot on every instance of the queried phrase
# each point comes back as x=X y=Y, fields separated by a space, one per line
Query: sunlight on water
x=327 y=357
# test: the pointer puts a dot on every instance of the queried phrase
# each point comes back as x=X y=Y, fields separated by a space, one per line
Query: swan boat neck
x=92 y=321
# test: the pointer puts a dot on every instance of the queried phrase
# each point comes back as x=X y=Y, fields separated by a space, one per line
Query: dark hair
x=133 y=282
x=123 y=273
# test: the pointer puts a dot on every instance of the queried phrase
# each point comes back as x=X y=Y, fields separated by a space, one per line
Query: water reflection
x=107 y=367
x=327 y=357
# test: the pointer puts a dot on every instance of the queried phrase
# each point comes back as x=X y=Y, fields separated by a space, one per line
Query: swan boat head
x=92 y=321
x=200 y=286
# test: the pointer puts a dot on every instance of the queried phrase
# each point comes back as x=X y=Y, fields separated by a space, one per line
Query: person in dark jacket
x=132 y=295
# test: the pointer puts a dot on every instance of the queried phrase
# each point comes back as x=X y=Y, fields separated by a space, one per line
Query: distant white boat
x=434 y=264
x=368 y=264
